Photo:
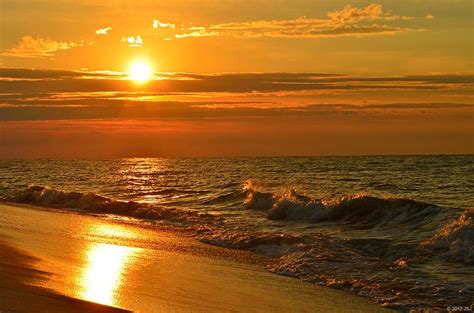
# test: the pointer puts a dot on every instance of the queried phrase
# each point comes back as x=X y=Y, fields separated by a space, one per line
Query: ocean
x=395 y=229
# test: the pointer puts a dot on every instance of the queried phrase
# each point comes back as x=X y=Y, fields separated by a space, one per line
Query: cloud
x=429 y=17
x=350 y=21
x=259 y=97
x=29 y=73
x=354 y=30
x=103 y=31
x=39 y=47
x=58 y=106
x=303 y=84
x=347 y=30
x=300 y=32
x=351 y=14
x=198 y=33
x=158 y=24
x=132 y=41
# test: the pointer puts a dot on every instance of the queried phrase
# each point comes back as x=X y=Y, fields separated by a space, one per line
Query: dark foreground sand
x=65 y=262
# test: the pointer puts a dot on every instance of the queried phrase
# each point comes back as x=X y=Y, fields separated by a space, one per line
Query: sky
x=235 y=78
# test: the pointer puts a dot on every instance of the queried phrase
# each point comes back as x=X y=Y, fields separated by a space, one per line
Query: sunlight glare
x=140 y=72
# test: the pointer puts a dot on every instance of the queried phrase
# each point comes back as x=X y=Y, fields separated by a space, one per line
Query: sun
x=140 y=72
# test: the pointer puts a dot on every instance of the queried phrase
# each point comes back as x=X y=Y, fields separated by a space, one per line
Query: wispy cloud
x=103 y=31
x=39 y=47
x=133 y=41
x=350 y=21
x=158 y=24
x=346 y=30
x=201 y=32
x=429 y=17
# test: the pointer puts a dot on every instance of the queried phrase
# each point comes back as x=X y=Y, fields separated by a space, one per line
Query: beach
x=236 y=156
x=68 y=262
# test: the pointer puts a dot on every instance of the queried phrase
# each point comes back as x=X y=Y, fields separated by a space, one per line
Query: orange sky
x=235 y=78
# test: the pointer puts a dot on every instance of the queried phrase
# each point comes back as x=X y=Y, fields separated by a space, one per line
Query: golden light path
x=107 y=266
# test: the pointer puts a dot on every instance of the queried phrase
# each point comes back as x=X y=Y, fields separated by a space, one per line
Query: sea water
x=396 y=229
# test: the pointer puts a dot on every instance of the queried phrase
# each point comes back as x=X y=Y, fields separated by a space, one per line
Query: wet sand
x=18 y=292
x=67 y=262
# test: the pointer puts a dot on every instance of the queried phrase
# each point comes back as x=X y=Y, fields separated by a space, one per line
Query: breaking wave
x=456 y=240
x=359 y=210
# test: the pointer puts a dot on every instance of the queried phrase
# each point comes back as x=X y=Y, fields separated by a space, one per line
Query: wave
x=170 y=192
x=92 y=203
x=358 y=211
x=379 y=269
x=396 y=283
x=456 y=239
x=267 y=243
x=224 y=198
x=361 y=211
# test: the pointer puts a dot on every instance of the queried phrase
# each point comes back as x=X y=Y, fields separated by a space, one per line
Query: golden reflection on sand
x=105 y=272
x=107 y=266
x=112 y=232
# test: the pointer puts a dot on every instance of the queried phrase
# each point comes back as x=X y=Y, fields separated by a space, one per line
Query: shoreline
x=147 y=269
